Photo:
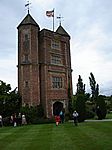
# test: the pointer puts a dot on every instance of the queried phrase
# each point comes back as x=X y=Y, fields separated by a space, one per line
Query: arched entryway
x=57 y=107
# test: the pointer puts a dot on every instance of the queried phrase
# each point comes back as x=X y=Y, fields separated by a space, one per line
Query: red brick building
x=44 y=66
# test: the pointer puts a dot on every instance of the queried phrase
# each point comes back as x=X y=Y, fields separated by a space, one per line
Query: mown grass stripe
x=61 y=139
x=87 y=136
x=9 y=141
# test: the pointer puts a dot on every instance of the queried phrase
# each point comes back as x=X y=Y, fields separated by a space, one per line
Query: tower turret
x=28 y=64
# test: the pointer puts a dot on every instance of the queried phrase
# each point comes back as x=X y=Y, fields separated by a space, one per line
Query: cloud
x=43 y=2
x=87 y=56
x=87 y=21
x=8 y=71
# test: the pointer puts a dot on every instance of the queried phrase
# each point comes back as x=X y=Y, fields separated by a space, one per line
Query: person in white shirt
x=23 y=120
x=1 y=121
x=75 y=117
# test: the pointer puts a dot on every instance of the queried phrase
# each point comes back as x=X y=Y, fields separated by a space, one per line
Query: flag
x=50 y=13
x=59 y=17
x=27 y=5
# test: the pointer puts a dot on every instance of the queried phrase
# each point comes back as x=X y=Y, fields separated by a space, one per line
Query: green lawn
x=109 y=116
x=87 y=136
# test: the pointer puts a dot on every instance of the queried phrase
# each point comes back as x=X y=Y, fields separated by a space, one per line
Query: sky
x=88 y=22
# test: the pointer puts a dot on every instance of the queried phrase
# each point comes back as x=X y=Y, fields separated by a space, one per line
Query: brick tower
x=44 y=66
x=28 y=63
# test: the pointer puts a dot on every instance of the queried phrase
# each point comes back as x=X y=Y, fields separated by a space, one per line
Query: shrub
x=101 y=107
x=68 y=116
x=6 y=121
x=80 y=107
x=45 y=120
x=32 y=113
x=90 y=114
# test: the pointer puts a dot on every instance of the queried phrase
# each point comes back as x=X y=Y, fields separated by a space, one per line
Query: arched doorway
x=57 y=107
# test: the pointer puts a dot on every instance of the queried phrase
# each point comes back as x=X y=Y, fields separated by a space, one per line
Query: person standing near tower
x=75 y=117
x=62 y=116
x=1 y=121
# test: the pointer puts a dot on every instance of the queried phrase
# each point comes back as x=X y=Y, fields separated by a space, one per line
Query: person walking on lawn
x=75 y=117
x=1 y=121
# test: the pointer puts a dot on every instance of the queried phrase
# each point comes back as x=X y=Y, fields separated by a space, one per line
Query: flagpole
x=51 y=14
x=53 y=20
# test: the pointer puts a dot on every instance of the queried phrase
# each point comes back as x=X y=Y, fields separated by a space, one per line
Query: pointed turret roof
x=62 y=31
x=28 y=20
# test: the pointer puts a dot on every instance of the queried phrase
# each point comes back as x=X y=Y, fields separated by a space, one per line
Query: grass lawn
x=109 y=116
x=87 y=136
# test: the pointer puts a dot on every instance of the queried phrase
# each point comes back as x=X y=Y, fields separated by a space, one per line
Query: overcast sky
x=88 y=22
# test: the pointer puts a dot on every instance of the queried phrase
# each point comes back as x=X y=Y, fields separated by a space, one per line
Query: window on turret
x=26 y=37
x=25 y=58
x=26 y=46
x=55 y=45
x=26 y=42
x=26 y=84
x=55 y=59
x=57 y=82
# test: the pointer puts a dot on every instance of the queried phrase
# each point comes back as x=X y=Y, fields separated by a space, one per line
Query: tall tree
x=94 y=87
x=70 y=108
x=81 y=107
x=80 y=86
x=80 y=100
x=101 y=107
x=10 y=101
x=4 y=88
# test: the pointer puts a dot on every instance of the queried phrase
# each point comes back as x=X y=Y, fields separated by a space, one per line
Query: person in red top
x=57 y=120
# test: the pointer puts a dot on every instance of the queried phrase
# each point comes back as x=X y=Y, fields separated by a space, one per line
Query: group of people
x=15 y=120
x=59 y=118
x=18 y=120
x=21 y=119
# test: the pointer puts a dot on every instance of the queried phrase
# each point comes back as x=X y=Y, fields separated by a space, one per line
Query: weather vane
x=27 y=5
x=60 y=19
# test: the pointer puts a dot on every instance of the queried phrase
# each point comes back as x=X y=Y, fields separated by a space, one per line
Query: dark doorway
x=57 y=107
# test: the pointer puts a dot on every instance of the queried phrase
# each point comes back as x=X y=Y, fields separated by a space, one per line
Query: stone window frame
x=26 y=84
x=25 y=58
x=57 y=82
x=26 y=41
x=55 y=44
x=56 y=59
x=26 y=34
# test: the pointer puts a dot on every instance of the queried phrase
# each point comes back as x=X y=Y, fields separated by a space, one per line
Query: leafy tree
x=110 y=99
x=94 y=87
x=13 y=103
x=80 y=107
x=80 y=100
x=10 y=101
x=101 y=107
x=4 y=88
x=70 y=108
x=74 y=98
x=33 y=113
x=80 y=86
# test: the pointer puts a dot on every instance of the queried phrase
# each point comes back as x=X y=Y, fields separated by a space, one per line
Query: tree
x=10 y=101
x=101 y=107
x=80 y=100
x=80 y=107
x=80 y=86
x=70 y=108
x=4 y=93
x=4 y=88
x=13 y=103
x=94 y=87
